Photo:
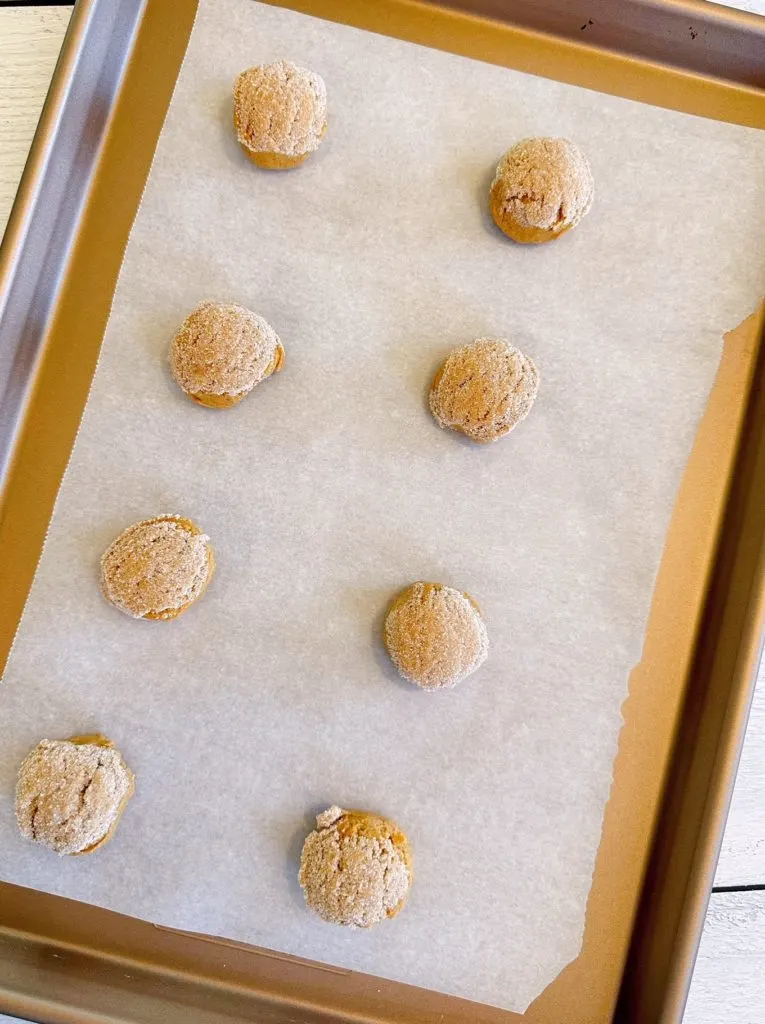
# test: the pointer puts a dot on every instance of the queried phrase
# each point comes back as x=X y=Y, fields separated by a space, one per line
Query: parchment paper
x=331 y=487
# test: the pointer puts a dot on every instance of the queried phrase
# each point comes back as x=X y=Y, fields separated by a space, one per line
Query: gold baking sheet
x=668 y=647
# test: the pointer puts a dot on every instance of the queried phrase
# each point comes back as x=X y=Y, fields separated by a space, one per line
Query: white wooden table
x=729 y=984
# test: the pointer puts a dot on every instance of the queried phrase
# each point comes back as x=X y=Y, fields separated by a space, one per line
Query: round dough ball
x=71 y=793
x=157 y=568
x=221 y=351
x=356 y=868
x=542 y=188
x=484 y=389
x=280 y=114
x=435 y=635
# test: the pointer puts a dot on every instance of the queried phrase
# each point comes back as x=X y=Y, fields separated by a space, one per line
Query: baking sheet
x=331 y=487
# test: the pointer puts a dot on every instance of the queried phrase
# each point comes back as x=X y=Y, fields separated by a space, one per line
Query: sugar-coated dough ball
x=280 y=113
x=435 y=635
x=484 y=389
x=221 y=351
x=356 y=868
x=157 y=568
x=71 y=793
x=542 y=188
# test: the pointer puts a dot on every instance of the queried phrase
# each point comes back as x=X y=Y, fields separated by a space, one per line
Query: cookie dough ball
x=221 y=351
x=157 y=568
x=280 y=114
x=71 y=793
x=356 y=868
x=435 y=635
x=542 y=188
x=484 y=389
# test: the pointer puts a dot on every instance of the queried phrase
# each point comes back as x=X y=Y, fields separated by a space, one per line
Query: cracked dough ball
x=356 y=868
x=157 y=568
x=542 y=188
x=221 y=351
x=484 y=389
x=280 y=114
x=435 y=635
x=71 y=793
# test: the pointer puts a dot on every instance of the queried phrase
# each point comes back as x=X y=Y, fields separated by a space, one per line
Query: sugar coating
x=280 y=108
x=543 y=183
x=356 y=868
x=69 y=795
x=484 y=389
x=435 y=635
x=223 y=349
x=157 y=567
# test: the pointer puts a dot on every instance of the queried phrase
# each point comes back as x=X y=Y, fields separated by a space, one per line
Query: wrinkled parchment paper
x=331 y=487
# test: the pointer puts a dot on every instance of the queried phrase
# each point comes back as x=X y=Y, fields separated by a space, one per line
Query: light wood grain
x=729 y=984
x=753 y=6
x=30 y=39
x=742 y=858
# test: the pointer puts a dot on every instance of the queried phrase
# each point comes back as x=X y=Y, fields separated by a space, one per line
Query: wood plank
x=30 y=40
x=742 y=858
x=729 y=982
x=753 y=6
